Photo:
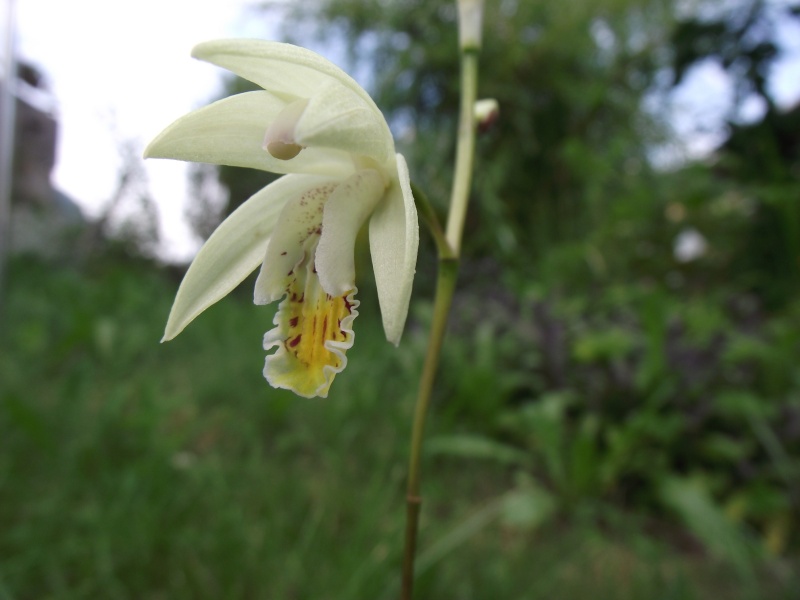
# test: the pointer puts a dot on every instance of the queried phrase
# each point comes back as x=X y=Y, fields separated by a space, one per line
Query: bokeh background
x=618 y=408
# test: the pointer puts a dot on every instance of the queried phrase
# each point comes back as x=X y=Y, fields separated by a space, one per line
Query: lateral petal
x=393 y=242
x=231 y=132
x=344 y=214
x=294 y=241
x=233 y=251
x=335 y=119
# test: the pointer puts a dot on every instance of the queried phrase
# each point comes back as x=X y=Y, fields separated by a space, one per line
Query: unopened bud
x=487 y=111
x=470 y=23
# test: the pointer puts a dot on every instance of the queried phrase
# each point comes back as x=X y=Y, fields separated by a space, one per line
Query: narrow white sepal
x=393 y=242
x=285 y=70
x=231 y=132
x=232 y=252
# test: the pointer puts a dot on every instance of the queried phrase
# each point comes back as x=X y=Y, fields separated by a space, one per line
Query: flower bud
x=487 y=112
x=470 y=23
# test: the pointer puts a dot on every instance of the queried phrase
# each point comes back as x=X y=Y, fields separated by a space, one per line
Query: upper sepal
x=337 y=102
x=231 y=132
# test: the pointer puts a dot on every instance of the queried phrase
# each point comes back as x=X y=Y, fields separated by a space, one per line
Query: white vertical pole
x=7 y=112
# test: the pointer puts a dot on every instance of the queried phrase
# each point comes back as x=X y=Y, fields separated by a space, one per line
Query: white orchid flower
x=316 y=125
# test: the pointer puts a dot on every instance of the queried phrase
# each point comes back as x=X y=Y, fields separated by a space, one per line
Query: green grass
x=130 y=469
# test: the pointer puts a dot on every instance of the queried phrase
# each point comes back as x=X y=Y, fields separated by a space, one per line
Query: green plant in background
x=114 y=454
x=652 y=416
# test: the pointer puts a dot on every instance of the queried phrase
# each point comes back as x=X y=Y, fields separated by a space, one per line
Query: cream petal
x=291 y=72
x=231 y=132
x=233 y=251
x=393 y=242
x=296 y=235
x=285 y=70
x=344 y=214
x=333 y=119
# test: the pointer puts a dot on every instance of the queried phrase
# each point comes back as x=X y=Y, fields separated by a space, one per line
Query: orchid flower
x=318 y=127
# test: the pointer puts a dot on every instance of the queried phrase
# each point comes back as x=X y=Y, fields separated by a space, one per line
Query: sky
x=122 y=71
x=700 y=104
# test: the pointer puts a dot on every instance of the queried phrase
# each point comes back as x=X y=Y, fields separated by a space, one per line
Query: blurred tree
x=740 y=36
x=570 y=80
x=760 y=159
x=763 y=159
x=128 y=224
x=564 y=180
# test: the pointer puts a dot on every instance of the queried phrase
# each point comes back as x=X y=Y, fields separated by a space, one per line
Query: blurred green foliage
x=607 y=402
x=132 y=470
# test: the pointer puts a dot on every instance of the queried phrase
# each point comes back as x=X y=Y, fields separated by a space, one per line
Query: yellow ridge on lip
x=313 y=334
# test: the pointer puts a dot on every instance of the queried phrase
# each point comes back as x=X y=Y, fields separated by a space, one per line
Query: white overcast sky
x=122 y=71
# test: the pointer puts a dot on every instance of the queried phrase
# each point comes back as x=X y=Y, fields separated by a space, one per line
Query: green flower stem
x=449 y=249
x=445 y=286
x=432 y=221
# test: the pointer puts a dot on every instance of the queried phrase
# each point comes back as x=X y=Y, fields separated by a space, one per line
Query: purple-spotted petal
x=233 y=251
x=297 y=233
x=345 y=212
